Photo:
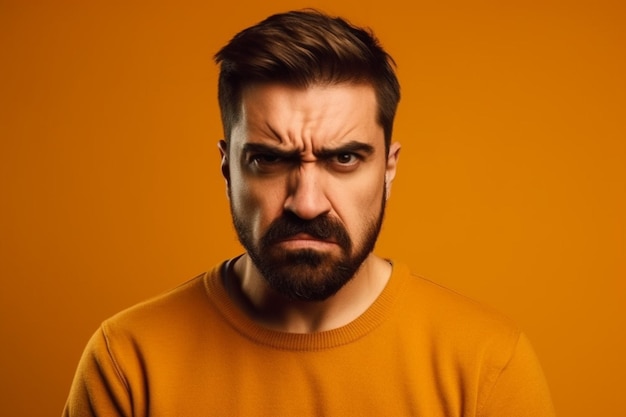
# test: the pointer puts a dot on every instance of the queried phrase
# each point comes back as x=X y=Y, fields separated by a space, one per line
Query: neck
x=250 y=292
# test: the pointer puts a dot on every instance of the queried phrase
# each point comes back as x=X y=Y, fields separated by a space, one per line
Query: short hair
x=302 y=48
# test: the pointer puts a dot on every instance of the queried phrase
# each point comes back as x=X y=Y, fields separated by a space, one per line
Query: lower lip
x=306 y=244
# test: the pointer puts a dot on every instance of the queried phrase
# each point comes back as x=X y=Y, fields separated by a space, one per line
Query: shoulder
x=453 y=322
x=176 y=311
x=434 y=301
x=459 y=338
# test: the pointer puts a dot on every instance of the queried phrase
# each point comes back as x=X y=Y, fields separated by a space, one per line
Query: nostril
x=307 y=205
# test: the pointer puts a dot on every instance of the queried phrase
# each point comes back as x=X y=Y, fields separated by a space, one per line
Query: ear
x=392 y=165
x=223 y=147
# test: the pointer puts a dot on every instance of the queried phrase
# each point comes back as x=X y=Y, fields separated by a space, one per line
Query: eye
x=265 y=159
x=345 y=162
x=346 y=158
x=267 y=163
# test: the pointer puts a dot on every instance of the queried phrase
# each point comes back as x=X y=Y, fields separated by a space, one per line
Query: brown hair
x=301 y=48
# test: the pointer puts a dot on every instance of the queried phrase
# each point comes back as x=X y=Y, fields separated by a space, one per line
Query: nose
x=306 y=196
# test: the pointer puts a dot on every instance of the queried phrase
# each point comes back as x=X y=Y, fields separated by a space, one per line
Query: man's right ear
x=223 y=147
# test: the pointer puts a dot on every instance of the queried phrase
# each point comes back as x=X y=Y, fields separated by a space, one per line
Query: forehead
x=309 y=117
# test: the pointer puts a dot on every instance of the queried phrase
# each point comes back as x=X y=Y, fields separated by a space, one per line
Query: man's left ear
x=392 y=166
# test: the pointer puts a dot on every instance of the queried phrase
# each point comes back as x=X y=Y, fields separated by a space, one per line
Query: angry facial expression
x=307 y=175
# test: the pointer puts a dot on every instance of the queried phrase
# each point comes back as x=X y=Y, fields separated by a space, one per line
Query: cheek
x=358 y=205
x=255 y=204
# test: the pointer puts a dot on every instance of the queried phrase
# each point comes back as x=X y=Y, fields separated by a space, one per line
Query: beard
x=307 y=274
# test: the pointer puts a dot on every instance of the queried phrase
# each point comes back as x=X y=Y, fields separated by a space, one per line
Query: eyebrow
x=350 y=147
x=269 y=150
x=324 y=153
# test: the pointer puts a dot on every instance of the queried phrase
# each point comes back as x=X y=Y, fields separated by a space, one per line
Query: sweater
x=419 y=350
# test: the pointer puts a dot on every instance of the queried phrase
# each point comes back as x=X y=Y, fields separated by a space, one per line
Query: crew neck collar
x=373 y=317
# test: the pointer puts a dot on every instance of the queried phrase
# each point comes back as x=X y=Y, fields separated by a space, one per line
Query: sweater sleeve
x=521 y=389
x=99 y=388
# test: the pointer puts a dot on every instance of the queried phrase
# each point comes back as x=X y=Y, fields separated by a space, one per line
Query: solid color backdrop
x=511 y=186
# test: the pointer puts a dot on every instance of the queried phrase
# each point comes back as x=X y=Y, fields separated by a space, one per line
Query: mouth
x=305 y=240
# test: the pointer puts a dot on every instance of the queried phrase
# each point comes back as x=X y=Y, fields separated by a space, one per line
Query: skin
x=315 y=151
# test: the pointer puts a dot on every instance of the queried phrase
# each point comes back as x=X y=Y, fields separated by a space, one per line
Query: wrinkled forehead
x=309 y=117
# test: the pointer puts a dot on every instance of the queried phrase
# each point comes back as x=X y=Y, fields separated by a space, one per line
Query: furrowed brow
x=350 y=147
x=249 y=148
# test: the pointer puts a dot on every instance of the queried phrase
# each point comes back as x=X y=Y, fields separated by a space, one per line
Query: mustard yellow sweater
x=420 y=350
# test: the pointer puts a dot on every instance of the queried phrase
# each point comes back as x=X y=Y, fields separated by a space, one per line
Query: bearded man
x=308 y=321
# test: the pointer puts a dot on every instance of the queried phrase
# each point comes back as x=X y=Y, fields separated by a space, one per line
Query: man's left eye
x=345 y=162
x=346 y=158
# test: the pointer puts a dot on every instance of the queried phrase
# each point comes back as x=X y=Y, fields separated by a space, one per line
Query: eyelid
x=254 y=150
x=334 y=164
x=360 y=150
x=356 y=156
x=267 y=161
x=257 y=156
x=268 y=158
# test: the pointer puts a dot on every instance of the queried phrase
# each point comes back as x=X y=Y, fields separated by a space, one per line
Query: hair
x=303 y=48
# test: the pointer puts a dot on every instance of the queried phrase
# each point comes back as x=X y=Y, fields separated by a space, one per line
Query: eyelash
x=267 y=160
x=354 y=158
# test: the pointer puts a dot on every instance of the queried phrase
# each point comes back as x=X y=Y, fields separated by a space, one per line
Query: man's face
x=307 y=179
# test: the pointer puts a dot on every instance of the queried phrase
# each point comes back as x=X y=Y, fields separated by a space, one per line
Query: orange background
x=511 y=188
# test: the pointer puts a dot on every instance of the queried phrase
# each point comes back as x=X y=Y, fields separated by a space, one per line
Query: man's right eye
x=265 y=159
x=267 y=163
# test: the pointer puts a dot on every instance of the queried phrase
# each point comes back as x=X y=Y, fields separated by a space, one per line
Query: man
x=308 y=321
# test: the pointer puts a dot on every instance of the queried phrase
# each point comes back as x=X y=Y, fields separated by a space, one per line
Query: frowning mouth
x=289 y=232
x=304 y=240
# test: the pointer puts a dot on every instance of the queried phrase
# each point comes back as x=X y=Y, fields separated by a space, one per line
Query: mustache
x=323 y=228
